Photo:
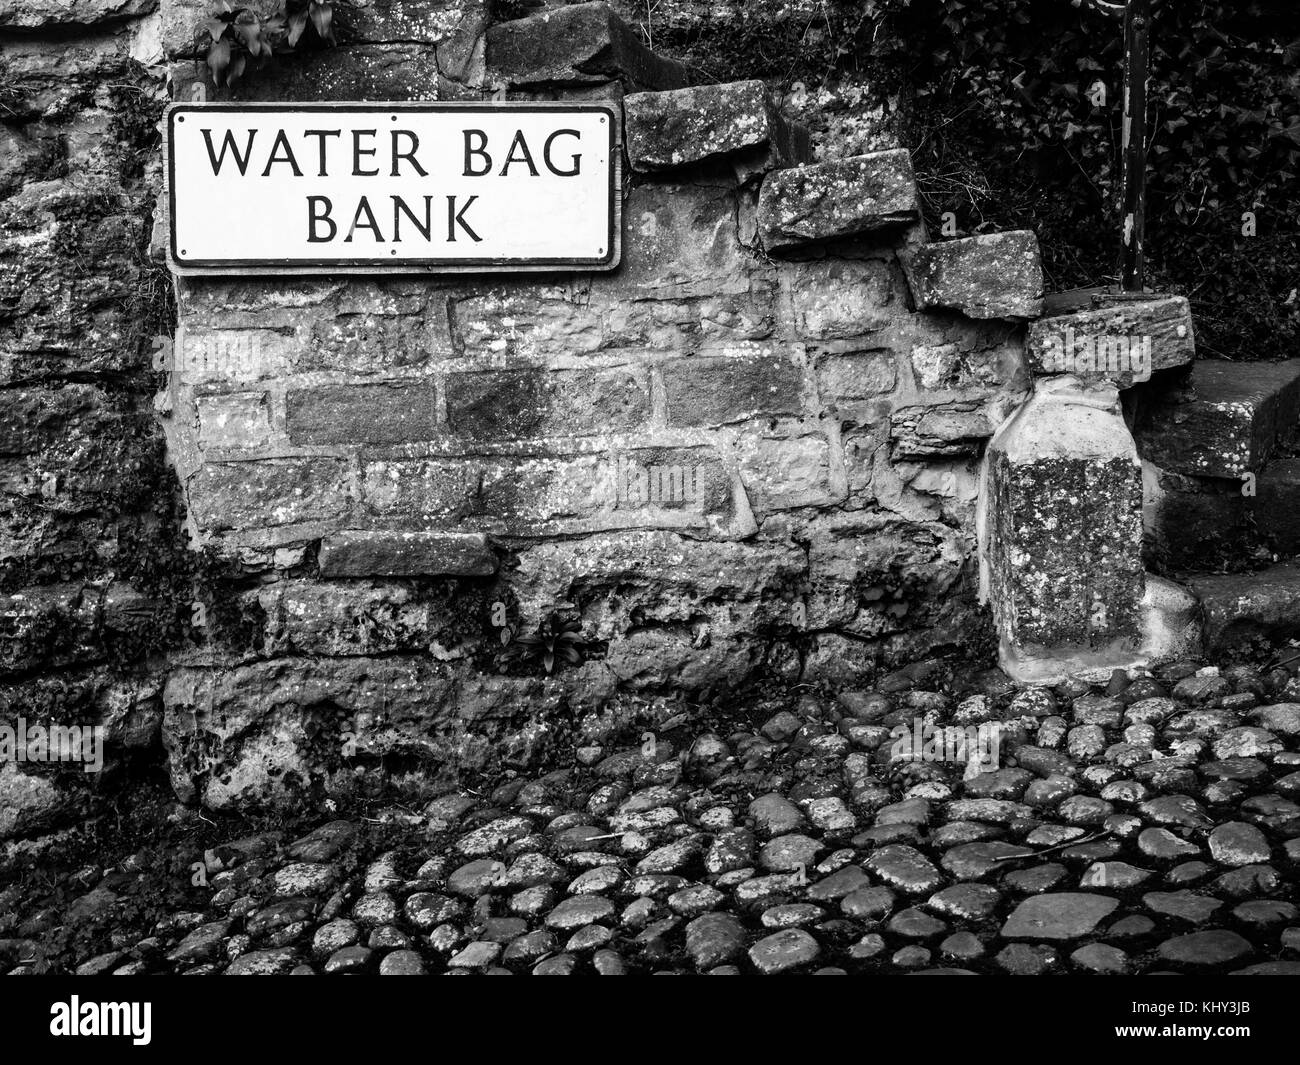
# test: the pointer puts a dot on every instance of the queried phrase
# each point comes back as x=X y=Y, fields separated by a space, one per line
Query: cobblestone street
x=1148 y=825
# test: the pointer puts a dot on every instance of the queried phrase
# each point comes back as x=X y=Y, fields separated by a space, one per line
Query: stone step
x=1240 y=414
x=863 y=194
x=1239 y=608
x=993 y=275
x=576 y=46
x=1099 y=336
x=737 y=123
x=1203 y=522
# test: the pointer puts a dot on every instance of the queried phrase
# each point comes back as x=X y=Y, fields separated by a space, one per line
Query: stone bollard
x=1061 y=541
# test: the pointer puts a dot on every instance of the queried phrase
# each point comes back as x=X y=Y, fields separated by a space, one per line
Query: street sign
x=367 y=188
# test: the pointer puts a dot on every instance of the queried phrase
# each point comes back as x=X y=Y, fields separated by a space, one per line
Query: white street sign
x=369 y=188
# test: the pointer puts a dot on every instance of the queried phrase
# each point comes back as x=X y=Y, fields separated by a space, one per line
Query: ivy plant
x=240 y=38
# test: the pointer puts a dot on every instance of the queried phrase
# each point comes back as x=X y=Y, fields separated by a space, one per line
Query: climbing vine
x=243 y=38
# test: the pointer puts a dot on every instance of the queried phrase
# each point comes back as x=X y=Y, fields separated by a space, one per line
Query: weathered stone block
x=790 y=469
x=269 y=492
x=361 y=343
x=698 y=323
x=20 y=159
x=1207 y=524
x=55 y=18
x=406 y=554
x=181 y=28
x=938 y=432
x=29 y=801
x=31 y=419
x=84 y=449
x=578 y=43
x=978 y=363
x=681 y=242
x=525 y=322
x=392 y=413
x=526 y=494
x=664 y=487
x=37 y=796
x=998 y=275
x=517 y=404
x=234 y=420
x=356 y=617
x=836 y=300
x=251 y=723
x=716 y=391
x=69 y=313
x=1124 y=343
x=738 y=121
x=841 y=661
x=1241 y=414
x=49 y=624
x=408 y=21
x=855 y=376
x=1242 y=607
x=844 y=198
x=59 y=79
x=682 y=481
x=872 y=576
x=456 y=27
x=209 y=356
x=1063 y=535
x=625 y=579
x=430 y=490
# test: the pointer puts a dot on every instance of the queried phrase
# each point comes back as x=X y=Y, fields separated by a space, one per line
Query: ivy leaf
x=249 y=30
x=214 y=28
x=297 y=24
x=218 y=59
x=322 y=15
x=236 y=69
x=1291 y=133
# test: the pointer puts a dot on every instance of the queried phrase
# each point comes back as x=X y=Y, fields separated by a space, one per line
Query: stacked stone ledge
x=1211 y=445
x=576 y=47
x=737 y=123
x=1216 y=443
x=1222 y=485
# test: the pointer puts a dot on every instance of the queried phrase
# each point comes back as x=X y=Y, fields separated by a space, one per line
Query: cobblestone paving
x=1150 y=825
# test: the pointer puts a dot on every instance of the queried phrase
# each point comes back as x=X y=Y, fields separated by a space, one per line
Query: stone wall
x=95 y=580
x=749 y=452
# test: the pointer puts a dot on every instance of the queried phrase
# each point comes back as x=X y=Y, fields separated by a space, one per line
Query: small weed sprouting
x=555 y=639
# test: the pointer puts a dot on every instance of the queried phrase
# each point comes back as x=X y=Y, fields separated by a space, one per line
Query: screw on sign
x=1137 y=51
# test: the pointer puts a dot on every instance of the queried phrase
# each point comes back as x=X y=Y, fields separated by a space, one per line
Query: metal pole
x=1137 y=50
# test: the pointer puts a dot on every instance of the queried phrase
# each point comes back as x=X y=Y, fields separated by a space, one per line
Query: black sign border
x=326 y=267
